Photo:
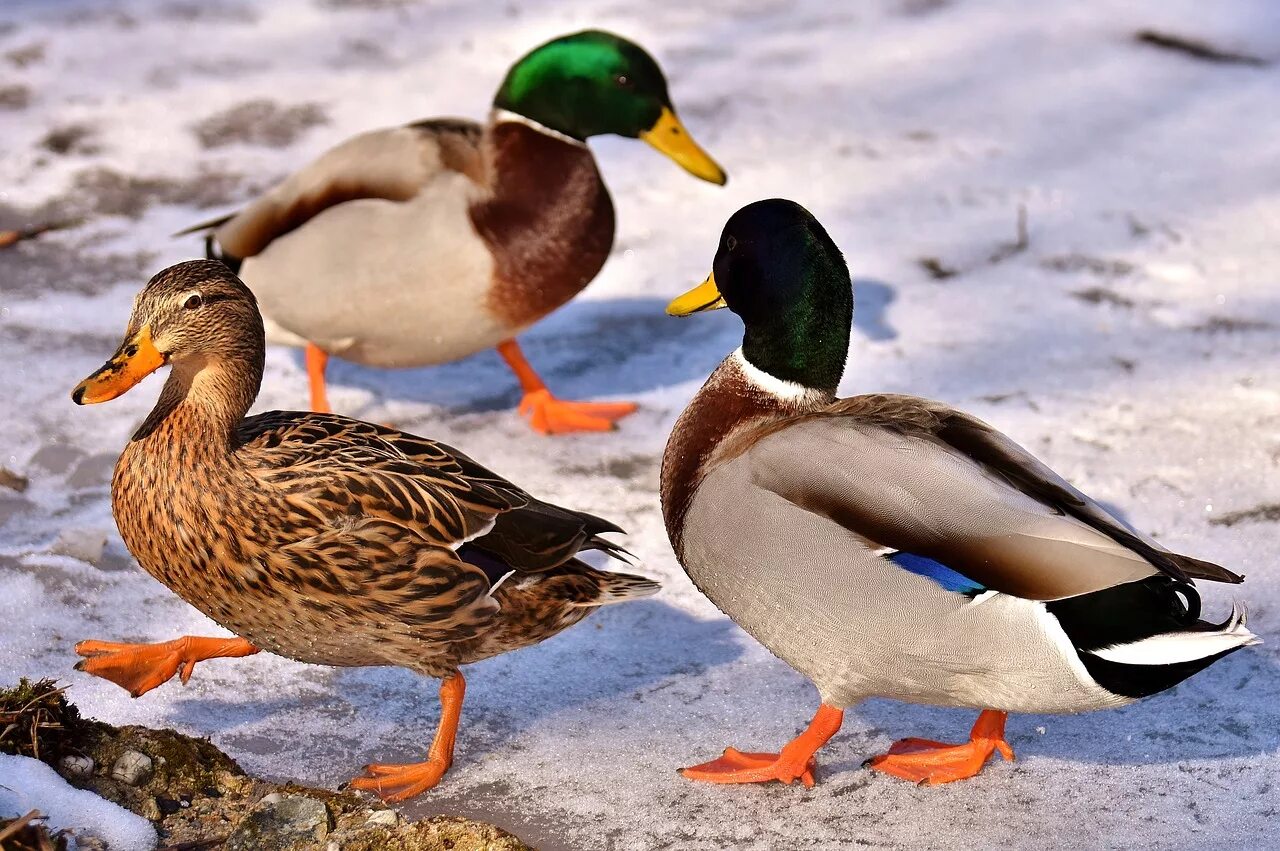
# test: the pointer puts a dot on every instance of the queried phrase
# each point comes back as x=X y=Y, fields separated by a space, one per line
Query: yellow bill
x=705 y=296
x=136 y=358
x=669 y=136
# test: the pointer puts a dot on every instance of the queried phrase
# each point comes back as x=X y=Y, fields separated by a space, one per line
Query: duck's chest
x=174 y=515
x=549 y=222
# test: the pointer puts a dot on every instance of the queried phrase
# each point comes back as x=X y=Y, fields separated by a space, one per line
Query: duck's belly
x=383 y=283
x=858 y=626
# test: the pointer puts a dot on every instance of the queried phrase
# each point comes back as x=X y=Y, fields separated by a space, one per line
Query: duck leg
x=141 y=667
x=549 y=415
x=796 y=761
x=929 y=762
x=400 y=782
x=317 y=362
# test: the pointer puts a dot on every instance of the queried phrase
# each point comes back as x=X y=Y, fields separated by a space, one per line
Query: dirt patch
x=1102 y=295
x=259 y=122
x=197 y=796
x=71 y=139
x=15 y=97
x=21 y=57
x=1269 y=513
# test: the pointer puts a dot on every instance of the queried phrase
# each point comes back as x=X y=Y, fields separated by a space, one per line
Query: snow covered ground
x=1133 y=342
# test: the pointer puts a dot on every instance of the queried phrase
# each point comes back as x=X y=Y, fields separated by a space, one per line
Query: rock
x=382 y=818
x=133 y=768
x=74 y=767
x=83 y=544
x=281 y=823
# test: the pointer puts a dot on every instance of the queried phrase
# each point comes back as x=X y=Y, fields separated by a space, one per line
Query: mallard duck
x=427 y=243
x=322 y=538
x=892 y=546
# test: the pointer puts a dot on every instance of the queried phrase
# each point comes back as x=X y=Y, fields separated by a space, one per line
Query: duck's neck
x=203 y=402
x=738 y=396
x=548 y=218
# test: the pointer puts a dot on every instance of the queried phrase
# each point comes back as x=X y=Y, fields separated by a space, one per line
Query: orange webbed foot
x=928 y=762
x=738 y=767
x=401 y=782
x=549 y=415
x=795 y=762
x=138 y=668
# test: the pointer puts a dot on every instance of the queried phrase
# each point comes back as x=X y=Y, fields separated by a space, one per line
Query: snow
x=1133 y=344
x=28 y=784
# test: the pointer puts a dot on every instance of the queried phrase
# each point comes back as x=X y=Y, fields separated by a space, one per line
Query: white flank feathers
x=1171 y=648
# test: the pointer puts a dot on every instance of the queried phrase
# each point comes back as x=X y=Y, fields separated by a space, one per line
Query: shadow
x=1228 y=710
x=871 y=300
x=331 y=721
x=591 y=348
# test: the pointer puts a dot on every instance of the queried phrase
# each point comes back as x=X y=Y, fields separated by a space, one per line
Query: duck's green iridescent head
x=593 y=83
x=778 y=269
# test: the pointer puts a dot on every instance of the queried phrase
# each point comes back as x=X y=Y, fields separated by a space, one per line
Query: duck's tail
x=610 y=588
x=1206 y=641
x=1143 y=637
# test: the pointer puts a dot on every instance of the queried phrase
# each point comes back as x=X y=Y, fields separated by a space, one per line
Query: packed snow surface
x=28 y=784
x=1131 y=340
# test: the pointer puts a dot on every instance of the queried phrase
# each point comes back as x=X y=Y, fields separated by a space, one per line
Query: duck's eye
x=730 y=243
x=623 y=81
x=193 y=302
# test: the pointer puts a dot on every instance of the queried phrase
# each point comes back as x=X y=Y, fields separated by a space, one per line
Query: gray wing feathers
x=999 y=454
x=901 y=490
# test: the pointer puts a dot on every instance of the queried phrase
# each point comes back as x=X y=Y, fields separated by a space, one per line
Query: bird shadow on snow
x=590 y=348
x=1228 y=710
x=356 y=715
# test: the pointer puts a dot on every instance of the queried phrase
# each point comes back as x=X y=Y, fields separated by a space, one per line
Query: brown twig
x=1197 y=49
x=11 y=237
x=18 y=824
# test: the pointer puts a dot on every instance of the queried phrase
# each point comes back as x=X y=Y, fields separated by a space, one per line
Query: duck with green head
x=892 y=546
x=423 y=244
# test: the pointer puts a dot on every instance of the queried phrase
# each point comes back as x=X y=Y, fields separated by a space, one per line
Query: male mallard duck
x=318 y=537
x=425 y=244
x=892 y=546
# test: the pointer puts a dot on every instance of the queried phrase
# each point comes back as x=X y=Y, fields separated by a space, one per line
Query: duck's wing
x=392 y=164
x=342 y=468
x=927 y=487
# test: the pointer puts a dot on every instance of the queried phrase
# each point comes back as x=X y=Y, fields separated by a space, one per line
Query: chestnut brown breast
x=549 y=221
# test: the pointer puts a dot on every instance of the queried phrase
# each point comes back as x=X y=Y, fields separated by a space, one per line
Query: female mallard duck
x=424 y=244
x=317 y=537
x=895 y=547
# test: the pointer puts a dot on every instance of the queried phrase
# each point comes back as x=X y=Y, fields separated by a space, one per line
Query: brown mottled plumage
x=322 y=538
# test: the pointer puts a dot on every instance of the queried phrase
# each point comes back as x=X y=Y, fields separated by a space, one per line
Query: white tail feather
x=1171 y=648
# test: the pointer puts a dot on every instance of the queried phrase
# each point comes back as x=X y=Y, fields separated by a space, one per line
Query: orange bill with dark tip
x=136 y=358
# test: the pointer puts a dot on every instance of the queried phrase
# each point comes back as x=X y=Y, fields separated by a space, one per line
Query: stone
x=382 y=818
x=133 y=768
x=282 y=823
x=75 y=767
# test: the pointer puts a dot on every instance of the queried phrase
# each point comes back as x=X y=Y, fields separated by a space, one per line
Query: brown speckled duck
x=318 y=537
x=424 y=244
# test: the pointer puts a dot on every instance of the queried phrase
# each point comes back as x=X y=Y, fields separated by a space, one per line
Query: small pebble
x=76 y=767
x=133 y=767
x=386 y=818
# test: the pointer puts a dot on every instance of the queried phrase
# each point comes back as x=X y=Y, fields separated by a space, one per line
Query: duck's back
x=384 y=266
x=424 y=244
